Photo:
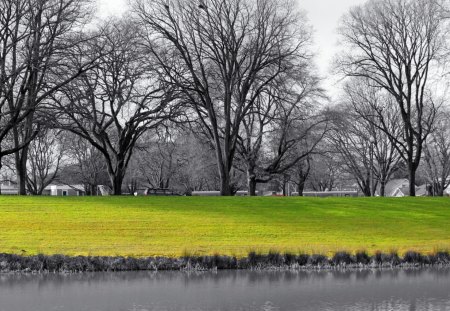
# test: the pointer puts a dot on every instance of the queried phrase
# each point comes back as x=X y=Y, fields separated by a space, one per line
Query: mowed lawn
x=176 y=226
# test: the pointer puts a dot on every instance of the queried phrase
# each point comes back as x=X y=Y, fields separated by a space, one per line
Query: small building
x=326 y=194
x=400 y=188
x=9 y=189
x=64 y=190
x=395 y=188
x=216 y=193
x=157 y=192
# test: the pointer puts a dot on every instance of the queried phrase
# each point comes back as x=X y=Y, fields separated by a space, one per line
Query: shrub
x=362 y=257
x=317 y=260
x=341 y=258
x=412 y=257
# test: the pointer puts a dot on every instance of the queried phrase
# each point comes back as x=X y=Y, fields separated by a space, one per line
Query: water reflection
x=415 y=289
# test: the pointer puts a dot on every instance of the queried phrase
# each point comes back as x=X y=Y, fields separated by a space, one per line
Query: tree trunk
x=285 y=185
x=116 y=181
x=412 y=179
x=382 y=188
x=440 y=188
x=251 y=180
x=364 y=185
x=225 y=187
x=225 y=182
x=93 y=190
x=301 y=188
x=252 y=186
x=116 y=177
x=21 y=158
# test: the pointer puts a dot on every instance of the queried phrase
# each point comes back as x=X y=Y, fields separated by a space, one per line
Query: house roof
x=404 y=190
x=397 y=184
x=421 y=191
x=65 y=187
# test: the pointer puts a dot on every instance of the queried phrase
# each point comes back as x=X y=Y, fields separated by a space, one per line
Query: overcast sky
x=323 y=15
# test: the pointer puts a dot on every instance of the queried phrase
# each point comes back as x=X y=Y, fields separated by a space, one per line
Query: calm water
x=427 y=289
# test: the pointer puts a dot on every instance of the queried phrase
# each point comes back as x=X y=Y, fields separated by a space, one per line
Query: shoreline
x=270 y=262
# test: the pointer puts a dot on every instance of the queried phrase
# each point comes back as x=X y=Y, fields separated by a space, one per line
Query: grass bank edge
x=270 y=261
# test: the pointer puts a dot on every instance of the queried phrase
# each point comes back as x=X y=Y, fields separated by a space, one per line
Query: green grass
x=175 y=226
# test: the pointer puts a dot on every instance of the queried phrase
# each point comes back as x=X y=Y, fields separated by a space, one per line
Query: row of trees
x=220 y=94
x=234 y=73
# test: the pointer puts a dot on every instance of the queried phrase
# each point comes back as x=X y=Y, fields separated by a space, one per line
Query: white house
x=9 y=189
x=216 y=193
x=400 y=188
x=53 y=190
x=64 y=190
x=396 y=188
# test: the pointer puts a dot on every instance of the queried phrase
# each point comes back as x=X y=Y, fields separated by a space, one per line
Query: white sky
x=323 y=15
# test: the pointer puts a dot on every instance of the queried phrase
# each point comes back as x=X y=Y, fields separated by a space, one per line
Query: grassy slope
x=233 y=226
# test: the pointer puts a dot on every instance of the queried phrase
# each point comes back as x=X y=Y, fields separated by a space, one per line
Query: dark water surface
x=425 y=289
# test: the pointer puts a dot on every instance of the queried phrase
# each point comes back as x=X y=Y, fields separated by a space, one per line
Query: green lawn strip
x=176 y=226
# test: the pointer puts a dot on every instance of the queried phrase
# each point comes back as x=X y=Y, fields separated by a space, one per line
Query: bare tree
x=221 y=55
x=395 y=44
x=437 y=155
x=114 y=104
x=159 y=160
x=353 y=145
x=34 y=37
x=325 y=172
x=85 y=164
x=198 y=166
x=45 y=154
x=379 y=118
x=359 y=137
x=285 y=117
x=300 y=172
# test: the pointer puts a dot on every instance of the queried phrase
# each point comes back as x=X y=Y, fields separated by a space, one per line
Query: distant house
x=216 y=193
x=9 y=189
x=396 y=188
x=324 y=194
x=400 y=188
x=51 y=190
x=401 y=192
x=64 y=190
x=422 y=191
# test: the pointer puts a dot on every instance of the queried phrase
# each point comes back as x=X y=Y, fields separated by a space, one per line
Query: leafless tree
x=114 y=104
x=198 y=168
x=35 y=35
x=159 y=160
x=45 y=154
x=359 y=137
x=395 y=44
x=220 y=55
x=85 y=164
x=352 y=142
x=325 y=172
x=437 y=155
x=286 y=118
x=300 y=172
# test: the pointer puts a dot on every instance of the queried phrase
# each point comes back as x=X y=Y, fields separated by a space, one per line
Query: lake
x=414 y=289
